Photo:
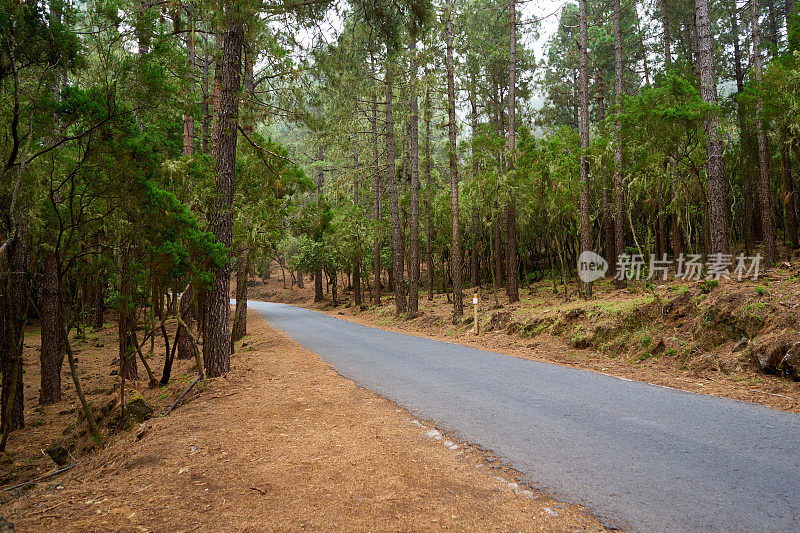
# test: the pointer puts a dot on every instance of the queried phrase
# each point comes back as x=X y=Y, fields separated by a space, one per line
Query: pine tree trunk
x=394 y=205
x=498 y=252
x=357 y=298
x=413 y=274
x=601 y=101
x=510 y=210
x=217 y=340
x=715 y=162
x=586 y=237
x=764 y=195
x=473 y=264
x=428 y=163
x=13 y=315
x=186 y=348
x=619 y=184
x=512 y=260
x=126 y=319
x=750 y=220
x=239 y=329
x=51 y=355
x=455 y=245
x=318 y=296
x=376 y=197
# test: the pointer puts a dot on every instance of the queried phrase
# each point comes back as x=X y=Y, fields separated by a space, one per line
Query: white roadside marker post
x=475 y=327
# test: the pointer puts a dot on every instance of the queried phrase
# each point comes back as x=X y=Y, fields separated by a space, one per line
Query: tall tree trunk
x=413 y=287
x=13 y=315
x=52 y=326
x=474 y=280
x=601 y=93
x=510 y=210
x=239 y=329
x=619 y=185
x=498 y=250
x=586 y=236
x=749 y=225
x=455 y=252
x=318 y=296
x=186 y=348
x=429 y=192
x=512 y=259
x=217 y=341
x=376 y=196
x=357 y=298
x=126 y=318
x=394 y=205
x=715 y=161
x=764 y=196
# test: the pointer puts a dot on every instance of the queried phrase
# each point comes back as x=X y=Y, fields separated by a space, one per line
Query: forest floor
x=726 y=340
x=282 y=442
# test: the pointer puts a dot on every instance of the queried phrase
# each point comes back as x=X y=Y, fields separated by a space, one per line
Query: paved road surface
x=642 y=457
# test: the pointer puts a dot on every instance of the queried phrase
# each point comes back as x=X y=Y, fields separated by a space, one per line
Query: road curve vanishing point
x=640 y=456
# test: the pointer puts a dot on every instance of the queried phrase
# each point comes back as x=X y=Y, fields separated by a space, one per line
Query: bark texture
x=455 y=252
x=510 y=211
x=764 y=193
x=126 y=319
x=51 y=356
x=619 y=184
x=586 y=236
x=413 y=138
x=394 y=205
x=239 y=329
x=216 y=338
x=13 y=315
x=715 y=161
x=376 y=199
x=186 y=348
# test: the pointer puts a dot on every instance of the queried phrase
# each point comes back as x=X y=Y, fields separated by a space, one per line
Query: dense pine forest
x=156 y=154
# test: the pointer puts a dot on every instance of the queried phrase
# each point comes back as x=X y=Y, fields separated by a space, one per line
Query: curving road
x=642 y=457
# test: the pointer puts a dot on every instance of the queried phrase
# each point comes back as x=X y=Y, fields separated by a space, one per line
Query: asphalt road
x=640 y=456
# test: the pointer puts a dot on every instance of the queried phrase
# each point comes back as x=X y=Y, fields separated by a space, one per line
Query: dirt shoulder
x=285 y=443
x=689 y=336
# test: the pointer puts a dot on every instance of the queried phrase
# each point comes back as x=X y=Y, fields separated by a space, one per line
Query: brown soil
x=282 y=443
x=679 y=334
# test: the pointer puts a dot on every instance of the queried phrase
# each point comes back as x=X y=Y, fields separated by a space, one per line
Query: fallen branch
x=3 y=476
x=773 y=394
x=46 y=476
x=185 y=391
